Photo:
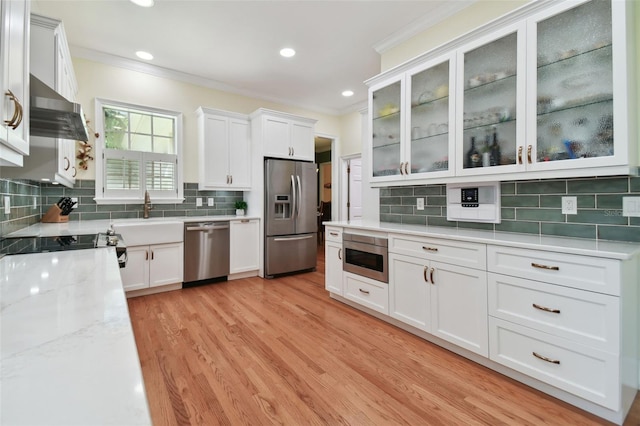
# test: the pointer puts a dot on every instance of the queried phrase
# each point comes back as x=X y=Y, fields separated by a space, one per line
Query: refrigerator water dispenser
x=282 y=206
x=474 y=202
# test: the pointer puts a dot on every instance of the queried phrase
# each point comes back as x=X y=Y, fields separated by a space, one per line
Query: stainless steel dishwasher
x=206 y=250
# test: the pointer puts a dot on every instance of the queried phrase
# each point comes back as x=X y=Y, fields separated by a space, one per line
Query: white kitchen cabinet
x=445 y=300
x=334 y=279
x=153 y=266
x=410 y=118
x=551 y=83
x=244 y=244
x=225 y=150
x=50 y=159
x=490 y=103
x=14 y=64
x=367 y=292
x=554 y=316
x=283 y=135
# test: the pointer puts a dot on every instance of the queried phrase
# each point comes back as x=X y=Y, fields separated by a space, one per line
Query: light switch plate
x=7 y=205
x=210 y=201
x=631 y=206
x=199 y=202
x=420 y=203
x=569 y=205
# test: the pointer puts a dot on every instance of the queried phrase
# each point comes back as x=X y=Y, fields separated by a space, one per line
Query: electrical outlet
x=569 y=205
x=420 y=203
x=75 y=200
x=210 y=201
x=199 y=202
x=7 y=205
x=631 y=206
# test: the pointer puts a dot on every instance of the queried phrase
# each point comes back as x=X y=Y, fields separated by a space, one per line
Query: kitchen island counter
x=580 y=246
x=67 y=346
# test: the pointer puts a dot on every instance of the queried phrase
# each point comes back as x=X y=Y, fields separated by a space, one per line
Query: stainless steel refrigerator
x=291 y=219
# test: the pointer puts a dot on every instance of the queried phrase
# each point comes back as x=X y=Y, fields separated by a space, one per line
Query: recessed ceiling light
x=143 y=3
x=287 y=52
x=144 y=55
x=347 y=93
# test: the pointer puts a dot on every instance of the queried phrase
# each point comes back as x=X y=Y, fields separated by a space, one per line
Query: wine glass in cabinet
x=429 y=126
x=387 y=131
x=490 y=117
x=572 y=112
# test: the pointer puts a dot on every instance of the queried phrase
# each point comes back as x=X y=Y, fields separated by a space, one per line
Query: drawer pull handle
x=363 y=291
x=431 y=275
x=550 y=268
x=544 y=358
x=543 y=308
x=333 y=234
x=429 y=248
x=424 y=274
x=340 y=254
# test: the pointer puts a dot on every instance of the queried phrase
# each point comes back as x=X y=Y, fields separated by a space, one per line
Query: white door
x=355 y=188
x=165 y=264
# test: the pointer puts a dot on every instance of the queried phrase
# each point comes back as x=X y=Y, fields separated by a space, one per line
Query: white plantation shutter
x=141 y=150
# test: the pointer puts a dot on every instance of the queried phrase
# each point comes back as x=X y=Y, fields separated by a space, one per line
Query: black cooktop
x=23 y=245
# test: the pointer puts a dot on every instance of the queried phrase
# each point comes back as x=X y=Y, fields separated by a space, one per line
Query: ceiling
x=234 y=45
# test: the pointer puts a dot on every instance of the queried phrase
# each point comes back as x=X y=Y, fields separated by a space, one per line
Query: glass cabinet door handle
x=529 y=154
x=519 y=155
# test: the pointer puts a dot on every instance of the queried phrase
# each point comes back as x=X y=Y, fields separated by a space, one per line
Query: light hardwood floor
x=262 y=352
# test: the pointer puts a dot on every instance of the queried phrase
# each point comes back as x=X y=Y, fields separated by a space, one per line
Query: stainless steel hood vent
x=51 y=115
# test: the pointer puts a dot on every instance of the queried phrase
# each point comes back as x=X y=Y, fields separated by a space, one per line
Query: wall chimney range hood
x=51 y=115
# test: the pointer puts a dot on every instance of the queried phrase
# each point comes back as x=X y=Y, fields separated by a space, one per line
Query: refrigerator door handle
x=295 y=198
x=299 y=194
x=306 y=237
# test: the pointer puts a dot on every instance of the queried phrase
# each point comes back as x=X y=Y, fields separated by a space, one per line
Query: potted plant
x=241 y=207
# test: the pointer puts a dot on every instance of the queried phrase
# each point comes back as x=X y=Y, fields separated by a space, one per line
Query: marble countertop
x=581 y=246
x=67 y=347
x=85 y=227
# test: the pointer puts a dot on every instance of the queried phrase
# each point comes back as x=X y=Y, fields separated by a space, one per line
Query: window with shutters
x=140 y=150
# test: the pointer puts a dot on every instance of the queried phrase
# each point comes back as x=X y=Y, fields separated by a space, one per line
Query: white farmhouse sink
x=144 y=232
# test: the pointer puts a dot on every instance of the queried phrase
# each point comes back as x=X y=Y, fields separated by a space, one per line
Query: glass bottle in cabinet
x=574 y=82
x=429 y=128
x=386 y=127
x=491 y=99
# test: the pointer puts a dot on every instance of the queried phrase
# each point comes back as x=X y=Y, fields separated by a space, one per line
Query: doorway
x=351 y=200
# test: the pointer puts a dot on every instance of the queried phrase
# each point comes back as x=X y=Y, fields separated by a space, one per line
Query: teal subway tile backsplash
x=23 y=214
x=531 y=207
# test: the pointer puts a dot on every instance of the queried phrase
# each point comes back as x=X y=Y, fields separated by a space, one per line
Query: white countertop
x=581 y=246
x=85 y=227
x=67 y=347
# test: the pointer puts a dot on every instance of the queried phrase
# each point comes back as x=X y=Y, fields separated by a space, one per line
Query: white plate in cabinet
x=582 y=272
x=367 y=292
x=581 y=316
x=589 y=373
x=455 y=252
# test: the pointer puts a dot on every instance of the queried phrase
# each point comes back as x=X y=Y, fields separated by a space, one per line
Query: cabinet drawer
x=581 y=316
x=470 y=255
x=333 y=234
x=582 y=272
x=586 y=372
x=370 y=293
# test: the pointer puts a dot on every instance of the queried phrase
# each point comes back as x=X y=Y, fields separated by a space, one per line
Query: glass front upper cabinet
x=429 y=128
x=574 y=86
x=387 y=118
x=491 y=102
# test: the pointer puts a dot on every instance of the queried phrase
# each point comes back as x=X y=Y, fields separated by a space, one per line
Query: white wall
x=97 y=80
